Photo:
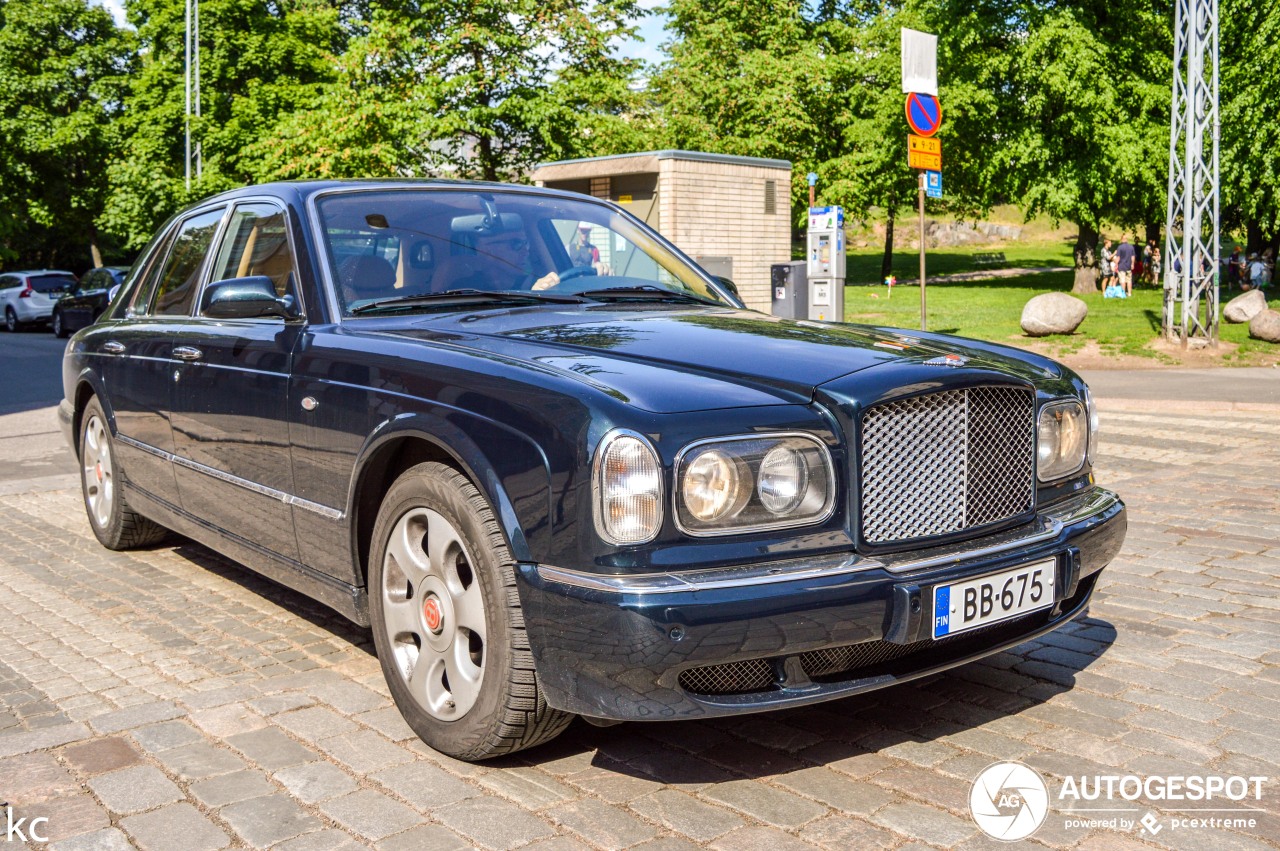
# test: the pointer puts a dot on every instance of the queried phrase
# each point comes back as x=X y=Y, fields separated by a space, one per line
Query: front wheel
x=447 y=622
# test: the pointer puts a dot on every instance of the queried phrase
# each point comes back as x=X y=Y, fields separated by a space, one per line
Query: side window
x=256 y=243
x=179 y=278
x=8 y=282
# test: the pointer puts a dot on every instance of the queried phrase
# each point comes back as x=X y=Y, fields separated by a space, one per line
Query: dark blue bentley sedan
x=560 y=470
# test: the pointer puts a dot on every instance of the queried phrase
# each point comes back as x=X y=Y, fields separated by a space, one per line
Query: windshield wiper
x=464 y=297
x=647 y=292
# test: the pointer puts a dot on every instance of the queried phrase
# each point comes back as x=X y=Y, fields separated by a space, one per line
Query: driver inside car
x=509 y=249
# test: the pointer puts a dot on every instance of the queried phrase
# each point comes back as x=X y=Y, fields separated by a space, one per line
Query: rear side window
x=8 y=282
x=180 y=276
x=52 y=283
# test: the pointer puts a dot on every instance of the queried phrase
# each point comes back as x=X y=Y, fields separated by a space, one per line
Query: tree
x=62 y=66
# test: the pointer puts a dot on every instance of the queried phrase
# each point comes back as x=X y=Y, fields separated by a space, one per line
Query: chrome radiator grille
x=946 y=462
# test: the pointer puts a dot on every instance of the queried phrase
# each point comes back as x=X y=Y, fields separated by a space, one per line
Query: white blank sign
x=919 y=62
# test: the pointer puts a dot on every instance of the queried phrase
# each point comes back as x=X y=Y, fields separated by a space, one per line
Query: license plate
x=967 y=605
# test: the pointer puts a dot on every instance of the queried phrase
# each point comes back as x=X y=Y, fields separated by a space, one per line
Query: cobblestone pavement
x=167 y=699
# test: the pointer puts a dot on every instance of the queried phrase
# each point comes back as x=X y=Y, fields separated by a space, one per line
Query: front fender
x=511 y=471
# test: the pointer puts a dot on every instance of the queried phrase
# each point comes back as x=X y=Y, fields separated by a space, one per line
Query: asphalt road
x=30 y=387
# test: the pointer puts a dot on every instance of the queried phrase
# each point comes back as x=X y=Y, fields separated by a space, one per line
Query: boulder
x=1053 y=313
x=1266 y=326
x=1244 y=307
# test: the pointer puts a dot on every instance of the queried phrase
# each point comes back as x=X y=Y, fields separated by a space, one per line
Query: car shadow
x=851 y=734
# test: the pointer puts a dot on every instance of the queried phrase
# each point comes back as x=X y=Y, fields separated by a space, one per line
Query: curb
x=1189 y=406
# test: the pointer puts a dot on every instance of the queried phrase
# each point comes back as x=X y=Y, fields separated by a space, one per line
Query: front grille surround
x=947 y=463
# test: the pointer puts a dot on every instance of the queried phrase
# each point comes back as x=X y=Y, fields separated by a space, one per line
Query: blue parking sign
x=933 y=184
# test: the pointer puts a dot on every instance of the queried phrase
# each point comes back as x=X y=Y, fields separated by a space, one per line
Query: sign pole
x=923 y=311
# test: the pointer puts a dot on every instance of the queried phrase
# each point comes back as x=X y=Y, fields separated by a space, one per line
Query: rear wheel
x=59 y=326
x=115 y=525
x=11 y=323
x=447 y=621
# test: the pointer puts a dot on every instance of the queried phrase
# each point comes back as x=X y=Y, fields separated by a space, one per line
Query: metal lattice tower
x=1191 y=256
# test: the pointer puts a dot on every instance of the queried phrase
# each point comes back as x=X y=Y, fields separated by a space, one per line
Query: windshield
x=385 y=244
x=51 y=283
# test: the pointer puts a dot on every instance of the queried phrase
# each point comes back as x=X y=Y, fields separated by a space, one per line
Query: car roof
x=30 y=272
x=302 y=190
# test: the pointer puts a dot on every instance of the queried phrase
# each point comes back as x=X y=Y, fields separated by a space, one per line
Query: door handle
x=188 y=353
x=111 y=347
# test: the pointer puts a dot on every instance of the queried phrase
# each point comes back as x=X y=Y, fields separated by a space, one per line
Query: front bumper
x=795 y=632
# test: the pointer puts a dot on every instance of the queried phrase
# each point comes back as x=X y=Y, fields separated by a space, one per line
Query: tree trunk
x=1254 y=240
x=1086 y=255
x=1153 y=232
x=886 y=262
x=94 y=251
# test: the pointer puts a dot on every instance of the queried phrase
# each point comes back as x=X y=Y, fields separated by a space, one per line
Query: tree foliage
x=62 y=67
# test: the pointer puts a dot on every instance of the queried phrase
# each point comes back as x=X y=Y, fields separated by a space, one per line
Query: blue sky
x=646 y=47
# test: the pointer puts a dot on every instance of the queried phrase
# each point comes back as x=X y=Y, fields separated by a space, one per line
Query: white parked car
x=28 y=297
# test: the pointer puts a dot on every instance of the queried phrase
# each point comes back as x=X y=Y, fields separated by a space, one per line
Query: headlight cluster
x=1063 y=439
x=723 y=486
x=753 y=483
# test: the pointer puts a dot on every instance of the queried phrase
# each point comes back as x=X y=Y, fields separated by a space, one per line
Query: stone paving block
x=271 y=749
x=228 y=720
x=493 y=822
x=101 y=755
x=364 y=751
x=277 y=703
x=843 y=832
x=166 y=735
x=33 y=777
x=666 y=843
x=528 y=787
x=13 y=744
x=324 y=840
x=370 y=814
x=425 y=786
x=315 y=781
x=557 y=843
x=134 y=789
x=229 y=788
x=429 y=837
x=834 y=790
x=765 y=803
x=927 y=824
x=601 y=824
x=68 y=815
x=315 y=723
x=389 y=722
x=685 y=814
x=760 y=839
x=135 y=716
x=608 y=783
x=179 y=827
x=347 y=697
x=109 y=839
x=198 y=761
x=267 y=820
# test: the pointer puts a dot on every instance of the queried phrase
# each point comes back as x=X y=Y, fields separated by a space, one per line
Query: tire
x=11 y=323
x=115 y=525
x=59 y=326
x=438 y=557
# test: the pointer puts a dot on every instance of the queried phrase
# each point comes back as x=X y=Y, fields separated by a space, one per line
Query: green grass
x=992 y=309
x=863 y=264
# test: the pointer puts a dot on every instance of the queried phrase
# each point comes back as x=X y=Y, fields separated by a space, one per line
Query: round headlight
x=784 y=477
x=712 y=486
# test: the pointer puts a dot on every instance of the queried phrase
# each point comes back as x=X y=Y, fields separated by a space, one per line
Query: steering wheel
x=575 y=272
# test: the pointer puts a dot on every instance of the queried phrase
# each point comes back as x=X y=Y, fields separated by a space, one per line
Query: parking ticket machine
x=826 y=267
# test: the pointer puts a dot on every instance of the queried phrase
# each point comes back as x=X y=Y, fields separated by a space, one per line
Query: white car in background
x=28 y=297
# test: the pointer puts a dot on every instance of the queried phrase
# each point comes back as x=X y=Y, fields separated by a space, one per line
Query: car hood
x=668 y=360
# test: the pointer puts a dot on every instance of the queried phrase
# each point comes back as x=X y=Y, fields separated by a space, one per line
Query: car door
x=76 y=306
x=137 y=361
x=230 y=420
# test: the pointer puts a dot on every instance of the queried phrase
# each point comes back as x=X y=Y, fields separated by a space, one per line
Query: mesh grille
x=731 y=678
x=946 y=462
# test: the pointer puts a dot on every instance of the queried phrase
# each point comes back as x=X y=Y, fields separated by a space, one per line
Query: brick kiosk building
x=730 y=214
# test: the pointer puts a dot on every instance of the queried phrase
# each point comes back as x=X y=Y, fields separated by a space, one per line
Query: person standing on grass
x=1124 y=264
x=1106 y=258
x=1234 y=263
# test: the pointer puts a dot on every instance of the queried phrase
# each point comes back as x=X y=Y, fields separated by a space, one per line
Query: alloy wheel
x=99 y=477
x=434 y=613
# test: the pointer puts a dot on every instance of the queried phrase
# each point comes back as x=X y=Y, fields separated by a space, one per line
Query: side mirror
x=246 y=298
x=732 y=289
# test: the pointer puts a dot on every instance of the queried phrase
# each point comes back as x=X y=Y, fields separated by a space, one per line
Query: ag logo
x=1009 y=801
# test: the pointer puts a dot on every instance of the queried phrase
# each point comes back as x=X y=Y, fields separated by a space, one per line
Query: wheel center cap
x=432 y=614
x=98 y=470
